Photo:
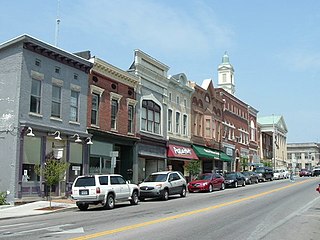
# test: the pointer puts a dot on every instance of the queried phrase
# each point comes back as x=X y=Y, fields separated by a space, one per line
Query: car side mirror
x=128 y=181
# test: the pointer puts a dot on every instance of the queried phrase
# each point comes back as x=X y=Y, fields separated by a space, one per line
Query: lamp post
x=273 y=144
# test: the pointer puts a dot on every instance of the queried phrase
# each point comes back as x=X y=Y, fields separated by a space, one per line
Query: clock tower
x=226 y=75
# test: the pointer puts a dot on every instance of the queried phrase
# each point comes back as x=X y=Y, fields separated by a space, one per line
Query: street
x=271 y=210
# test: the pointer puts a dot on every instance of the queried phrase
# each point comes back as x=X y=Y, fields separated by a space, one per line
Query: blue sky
x=273 y=45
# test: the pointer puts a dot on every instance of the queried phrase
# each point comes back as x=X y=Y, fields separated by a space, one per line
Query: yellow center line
x=160 y=220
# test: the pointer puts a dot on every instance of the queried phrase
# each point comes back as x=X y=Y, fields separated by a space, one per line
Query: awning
x=206 y=152
x=175 y=151
x=224 y=157
x=211 y=153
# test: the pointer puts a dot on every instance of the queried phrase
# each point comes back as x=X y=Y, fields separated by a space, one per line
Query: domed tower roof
x=225 y=58
x=226 y=75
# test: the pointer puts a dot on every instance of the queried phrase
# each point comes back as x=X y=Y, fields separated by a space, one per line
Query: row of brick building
x=103 y=119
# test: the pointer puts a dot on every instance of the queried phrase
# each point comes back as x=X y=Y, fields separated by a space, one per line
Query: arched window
x=150 y=116
x=253 y=131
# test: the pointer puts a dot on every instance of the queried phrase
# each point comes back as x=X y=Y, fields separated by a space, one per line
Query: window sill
x=56 y=119
x=35 y=115
x=74 y=123
x=94 y=126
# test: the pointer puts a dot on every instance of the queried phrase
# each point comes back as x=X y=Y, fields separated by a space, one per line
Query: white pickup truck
x=103 y=189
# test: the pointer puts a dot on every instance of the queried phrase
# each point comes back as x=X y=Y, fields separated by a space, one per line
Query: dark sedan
x=234 y=179
x=251 y=177
x=207 y=182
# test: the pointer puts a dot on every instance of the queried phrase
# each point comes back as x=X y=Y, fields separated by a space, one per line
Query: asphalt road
x=271 y=210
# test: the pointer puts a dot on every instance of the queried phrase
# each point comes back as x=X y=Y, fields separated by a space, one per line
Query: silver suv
x=163 y=184
x=103 y=189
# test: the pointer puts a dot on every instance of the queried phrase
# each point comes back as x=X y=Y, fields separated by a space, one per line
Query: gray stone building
x=180 y=151
x=43 y=108
x=151 y=115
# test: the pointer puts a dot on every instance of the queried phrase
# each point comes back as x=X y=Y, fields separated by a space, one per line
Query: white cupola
x=226 y=75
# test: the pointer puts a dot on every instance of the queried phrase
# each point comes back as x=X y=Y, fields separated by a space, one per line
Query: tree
x=193 y=168
x=52 y=171
x=244 y=163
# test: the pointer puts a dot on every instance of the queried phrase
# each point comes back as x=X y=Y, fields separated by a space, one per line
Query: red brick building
x=111 y=119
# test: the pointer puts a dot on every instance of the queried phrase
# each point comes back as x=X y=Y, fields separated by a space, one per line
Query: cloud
x=155 y=24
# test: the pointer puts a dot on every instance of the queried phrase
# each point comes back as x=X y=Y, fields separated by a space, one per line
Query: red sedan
x=207 y=182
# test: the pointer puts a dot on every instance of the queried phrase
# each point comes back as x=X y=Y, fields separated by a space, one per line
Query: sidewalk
x=35 y=208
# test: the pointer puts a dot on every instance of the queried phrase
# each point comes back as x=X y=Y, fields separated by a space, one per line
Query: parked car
x=316 y=171
x=162 y=185
x=305 y=173
x=234 y=179
x=265 y=173
x=103 y=189
x=285 y=173
x=251 y=177
x=278 y=174
x=207 y=182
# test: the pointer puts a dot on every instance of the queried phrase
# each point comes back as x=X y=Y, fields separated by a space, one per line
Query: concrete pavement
x=35 y=208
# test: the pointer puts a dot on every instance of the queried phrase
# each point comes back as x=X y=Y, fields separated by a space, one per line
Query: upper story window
x=37 y=62
x=95 y=102
x=150 y=116
x=224 y=77
x=185 y=102
x=35 y=101
x=75 y=76
x=115 y=102
x=208 y=128
x=178 y=100
x=253 y=131
x=114 y=113
x=169 y=120
x=57 y=70
x=74 y=106
x=185 y=125
x=170 y=96
x=96 y=93
x=56 y=102
x=130 y=118
x=177 y=122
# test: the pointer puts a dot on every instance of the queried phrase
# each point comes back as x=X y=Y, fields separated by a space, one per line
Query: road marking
x=160 y=220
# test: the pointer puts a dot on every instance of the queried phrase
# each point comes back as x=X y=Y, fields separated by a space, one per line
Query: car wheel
x=223 y=186
x=250 y=182
x=235 y=184
x=183 y=192
x=141 y=199
x=244 y=183
x=83 y=207
x=165 y=195
x=257 y=180
x=110 y=202
x=210 y=188
x=134 y=198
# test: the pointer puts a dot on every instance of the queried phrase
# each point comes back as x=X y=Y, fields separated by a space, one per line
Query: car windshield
x=204 y=177
x=156 y=178
x=85 y=182
x=246 y=173
x=260 y=170
x=230 y=175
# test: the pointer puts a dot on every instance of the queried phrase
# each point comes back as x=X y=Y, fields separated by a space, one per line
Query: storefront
x=212 y=159
x=179 y=156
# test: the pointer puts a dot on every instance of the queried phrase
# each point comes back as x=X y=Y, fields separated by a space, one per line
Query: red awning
x=181 y=152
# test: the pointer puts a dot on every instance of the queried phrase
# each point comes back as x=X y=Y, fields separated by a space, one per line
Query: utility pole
x=57 y=25
x=273 y=144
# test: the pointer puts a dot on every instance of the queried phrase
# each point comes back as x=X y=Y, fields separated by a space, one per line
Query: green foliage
x=244 y=163
x=193 y=168
x=3 y=196
x=52 y=171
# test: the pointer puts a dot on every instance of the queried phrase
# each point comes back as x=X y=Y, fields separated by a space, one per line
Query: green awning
x=224 y=157
x=204 y=152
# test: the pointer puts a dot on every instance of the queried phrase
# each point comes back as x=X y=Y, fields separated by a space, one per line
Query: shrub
x=3 y=196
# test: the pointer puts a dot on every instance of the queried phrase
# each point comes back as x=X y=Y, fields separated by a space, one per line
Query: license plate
x=84 y=192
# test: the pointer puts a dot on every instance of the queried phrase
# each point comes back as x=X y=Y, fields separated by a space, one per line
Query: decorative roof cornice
x=108 y=70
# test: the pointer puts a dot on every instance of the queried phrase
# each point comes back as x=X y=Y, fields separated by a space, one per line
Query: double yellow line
x=160 y=220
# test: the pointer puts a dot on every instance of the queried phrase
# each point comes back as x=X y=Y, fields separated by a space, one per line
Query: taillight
x=98 y=190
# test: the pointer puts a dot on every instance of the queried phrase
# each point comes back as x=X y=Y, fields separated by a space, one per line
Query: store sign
x=181 y=152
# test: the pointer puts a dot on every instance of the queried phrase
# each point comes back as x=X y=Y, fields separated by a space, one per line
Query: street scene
x=278 y=209
x=159 y=120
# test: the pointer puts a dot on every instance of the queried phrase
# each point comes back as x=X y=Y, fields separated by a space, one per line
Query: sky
x=273 y=45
